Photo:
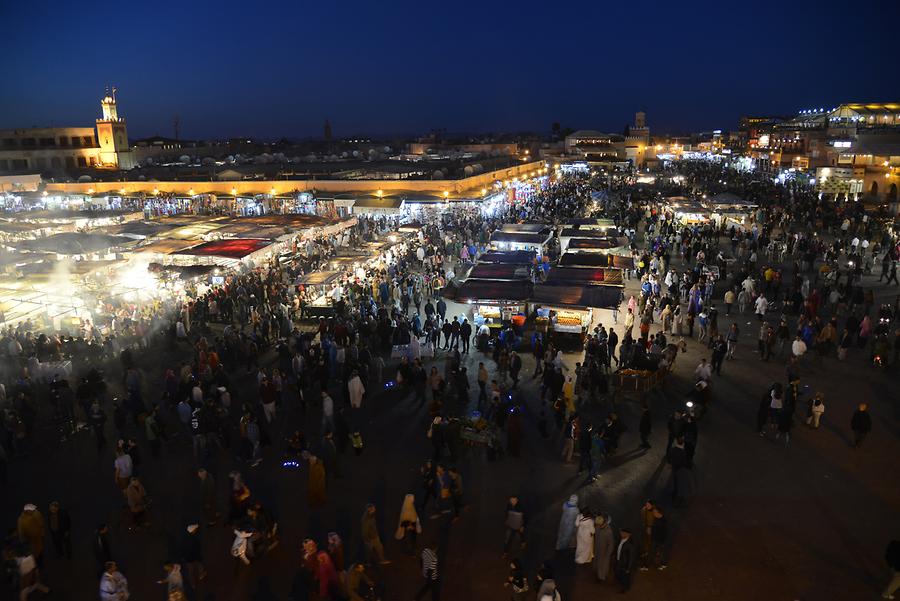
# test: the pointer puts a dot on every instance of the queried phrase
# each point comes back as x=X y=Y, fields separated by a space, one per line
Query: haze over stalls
x=271 y=69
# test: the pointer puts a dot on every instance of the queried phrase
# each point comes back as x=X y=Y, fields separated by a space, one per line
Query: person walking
x=861 y=424
x=584 y=545
x=208 y=498
x=409 y=525
x=515 y=524
x=816 y=411
x=113 y=584
x=136 y=496
x=31 y=529
x=658 y=539
x=371 y=539
x=732 y=338
x=645 y=427
x=567 y=524
x=429 y=574
x=60 y=530
x=625 y=559
x=604 y=545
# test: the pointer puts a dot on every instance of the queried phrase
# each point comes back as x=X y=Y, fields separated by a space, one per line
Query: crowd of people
x=250 y=376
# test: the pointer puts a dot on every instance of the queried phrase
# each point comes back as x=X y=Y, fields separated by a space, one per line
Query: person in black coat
x=60 y=530
x=102 y=550
x=645 y=427
x=192 y=554
x=861 y=423
x=625 y=559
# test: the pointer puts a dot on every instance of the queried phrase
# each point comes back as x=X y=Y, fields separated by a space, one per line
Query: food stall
x=318 y=293
x=495 y=301
x=565 y=310
x=592 y=223
x=518 y=240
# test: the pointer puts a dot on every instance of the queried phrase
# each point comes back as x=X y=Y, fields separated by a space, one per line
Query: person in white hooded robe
x=584 y=538
x=356 y=389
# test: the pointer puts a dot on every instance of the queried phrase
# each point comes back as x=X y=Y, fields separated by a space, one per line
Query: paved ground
x=809 y=521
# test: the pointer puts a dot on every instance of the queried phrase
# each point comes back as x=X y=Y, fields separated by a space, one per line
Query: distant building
x=48 y=149
x=854 y=148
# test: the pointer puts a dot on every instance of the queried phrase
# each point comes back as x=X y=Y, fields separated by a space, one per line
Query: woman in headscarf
x=566 y=534
x=584 y=547
x=409 y=525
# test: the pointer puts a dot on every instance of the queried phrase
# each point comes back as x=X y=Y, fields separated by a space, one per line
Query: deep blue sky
x=267 y=69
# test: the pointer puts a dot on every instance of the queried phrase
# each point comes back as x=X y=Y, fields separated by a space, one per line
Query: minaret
x=112 y=135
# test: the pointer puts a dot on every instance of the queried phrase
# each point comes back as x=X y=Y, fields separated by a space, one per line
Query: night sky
x=271 y=69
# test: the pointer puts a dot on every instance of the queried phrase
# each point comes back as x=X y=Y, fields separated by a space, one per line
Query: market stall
x=513 y=257
x=595 y=259
x=568 y=309
x=530 y=241
x=601 y=240
x=599 y=244
x=495 y=301
x=319 y=289
x=605 y=276
x=500 y=271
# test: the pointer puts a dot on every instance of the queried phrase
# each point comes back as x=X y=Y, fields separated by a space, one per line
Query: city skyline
x=405 y=70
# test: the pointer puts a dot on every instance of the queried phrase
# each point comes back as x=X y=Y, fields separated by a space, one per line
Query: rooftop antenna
x=114 y=92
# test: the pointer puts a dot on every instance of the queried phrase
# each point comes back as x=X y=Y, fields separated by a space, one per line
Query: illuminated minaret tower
x=112 y=135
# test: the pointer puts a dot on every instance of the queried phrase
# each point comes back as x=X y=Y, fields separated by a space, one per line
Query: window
x=18 y=164
x=76 y=141
x=10 y=143
x=55 y=163
x=4 y=165
x=88 y=141
x=82 y=162
x=44 y=142
x=40 y=163
x=93 y=161
x=70 y=162
x=29 y=142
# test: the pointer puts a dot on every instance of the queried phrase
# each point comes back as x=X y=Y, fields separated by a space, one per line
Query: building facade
x=59 y=149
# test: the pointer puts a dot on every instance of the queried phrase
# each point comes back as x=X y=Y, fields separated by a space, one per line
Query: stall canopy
x=594 y=243
x=487 y=291
x=142 y=229
x=519 y=237
x=590 y=259
x=229 y=249
x=526 y=228
x=608 y=276
x=600 y=297
x=500 y=271
x=320 y=278
x=164 y=247
x=728 y=200
x=514 y=257
x=375 y=203
x=595 y=234
x=75 y=243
